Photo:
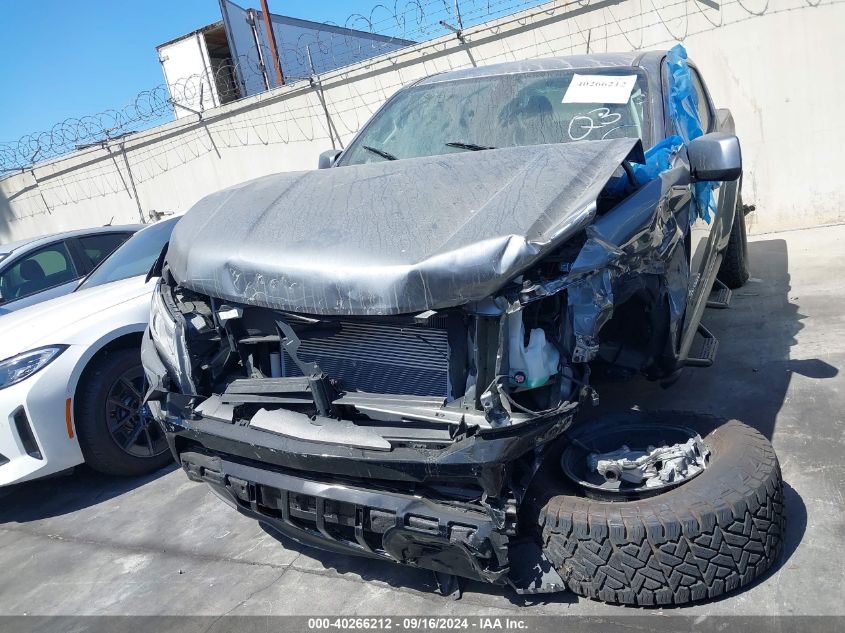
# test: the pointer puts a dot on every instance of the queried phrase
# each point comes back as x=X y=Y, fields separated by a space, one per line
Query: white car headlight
x=20 y=367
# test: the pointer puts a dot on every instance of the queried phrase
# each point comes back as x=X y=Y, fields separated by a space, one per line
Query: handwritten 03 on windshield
x=599 y=89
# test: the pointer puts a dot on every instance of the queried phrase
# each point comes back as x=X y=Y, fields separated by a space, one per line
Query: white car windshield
x=134 y=258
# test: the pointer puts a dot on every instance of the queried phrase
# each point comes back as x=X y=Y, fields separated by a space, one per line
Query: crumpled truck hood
x=391 y=237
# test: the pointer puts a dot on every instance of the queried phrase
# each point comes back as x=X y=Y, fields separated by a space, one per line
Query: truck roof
x=648 y=60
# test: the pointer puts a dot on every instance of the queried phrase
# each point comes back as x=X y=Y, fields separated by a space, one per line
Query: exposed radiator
x=379 y=358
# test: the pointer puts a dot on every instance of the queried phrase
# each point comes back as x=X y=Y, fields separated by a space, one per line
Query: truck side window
x=704 y=112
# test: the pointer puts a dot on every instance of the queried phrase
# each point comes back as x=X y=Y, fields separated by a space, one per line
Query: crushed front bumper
x=390 y=505
x=351 y=520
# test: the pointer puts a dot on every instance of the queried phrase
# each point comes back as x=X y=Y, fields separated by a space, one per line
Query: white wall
x=775 y=63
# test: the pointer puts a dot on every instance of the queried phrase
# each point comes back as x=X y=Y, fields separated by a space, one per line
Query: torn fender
x=639 y=237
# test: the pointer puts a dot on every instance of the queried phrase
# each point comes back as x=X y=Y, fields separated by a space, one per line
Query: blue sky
x=69 y=58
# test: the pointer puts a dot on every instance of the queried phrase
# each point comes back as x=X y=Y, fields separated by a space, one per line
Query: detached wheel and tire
x=709 y=535
x=117 y=435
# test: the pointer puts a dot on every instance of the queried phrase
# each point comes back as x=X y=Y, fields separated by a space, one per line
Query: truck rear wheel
x=734 y=269
x=709 y=535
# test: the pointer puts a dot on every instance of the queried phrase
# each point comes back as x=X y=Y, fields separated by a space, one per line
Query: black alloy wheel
x=131 y=424
x=117 y=434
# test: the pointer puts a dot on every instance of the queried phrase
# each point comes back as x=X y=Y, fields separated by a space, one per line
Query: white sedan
x=71 y=381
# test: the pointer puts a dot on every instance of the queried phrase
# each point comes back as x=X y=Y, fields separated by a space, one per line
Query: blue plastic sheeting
x=658 y=158
x=683 y=101
x=683 y=111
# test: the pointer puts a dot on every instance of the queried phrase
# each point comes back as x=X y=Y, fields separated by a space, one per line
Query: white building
x=231 y=59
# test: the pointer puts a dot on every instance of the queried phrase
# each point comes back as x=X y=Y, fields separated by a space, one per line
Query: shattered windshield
x=505 y=111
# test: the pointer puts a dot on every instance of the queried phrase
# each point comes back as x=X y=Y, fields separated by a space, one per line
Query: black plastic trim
x=480 y=459
x=22 y=426
x=416 y=522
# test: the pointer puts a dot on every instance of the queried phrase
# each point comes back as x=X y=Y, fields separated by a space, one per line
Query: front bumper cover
x=479 y=461
x=376 y=504
x=361 y=522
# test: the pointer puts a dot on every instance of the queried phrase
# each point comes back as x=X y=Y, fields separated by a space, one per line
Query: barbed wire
x=301 y=116
x=395 y=25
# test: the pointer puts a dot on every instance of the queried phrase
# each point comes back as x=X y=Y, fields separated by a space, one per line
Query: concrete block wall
x=774 y=63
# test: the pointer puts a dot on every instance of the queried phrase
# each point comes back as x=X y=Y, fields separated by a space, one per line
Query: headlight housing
x=20 y=367
x=168 y=335
x=163 y=329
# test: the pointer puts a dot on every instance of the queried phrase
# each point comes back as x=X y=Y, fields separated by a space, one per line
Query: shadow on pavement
x=66 y=493
x=796 y=524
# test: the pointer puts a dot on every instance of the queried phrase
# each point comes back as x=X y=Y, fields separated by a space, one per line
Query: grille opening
x=3 y=459
x=25 y=433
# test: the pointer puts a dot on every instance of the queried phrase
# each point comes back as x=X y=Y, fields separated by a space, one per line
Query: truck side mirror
x=715 y=156
x=328 y=158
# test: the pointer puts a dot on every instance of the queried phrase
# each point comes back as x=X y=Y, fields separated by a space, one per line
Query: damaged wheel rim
x=623 y=462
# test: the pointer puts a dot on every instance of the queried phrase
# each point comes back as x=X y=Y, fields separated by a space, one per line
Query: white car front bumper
x=36 y=438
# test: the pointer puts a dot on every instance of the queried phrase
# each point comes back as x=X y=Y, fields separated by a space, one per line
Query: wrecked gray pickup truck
x=387 y=357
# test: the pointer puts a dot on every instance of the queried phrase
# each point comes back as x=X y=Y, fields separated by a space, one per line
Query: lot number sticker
x=599 y=89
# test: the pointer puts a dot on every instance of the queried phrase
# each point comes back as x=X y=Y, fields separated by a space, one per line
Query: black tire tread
x=733 y=271
x=705 y=538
